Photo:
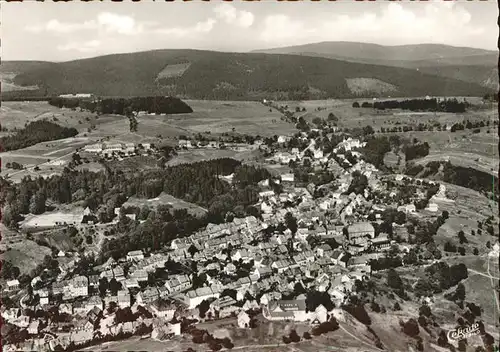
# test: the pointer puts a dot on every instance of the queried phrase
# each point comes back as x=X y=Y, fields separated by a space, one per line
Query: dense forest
x=103 y=192
x=471 y=178
x=36 y=132
x=231 y=76
x=416 y=151
x=125 y=106
x=198 y=183
x=446 y=105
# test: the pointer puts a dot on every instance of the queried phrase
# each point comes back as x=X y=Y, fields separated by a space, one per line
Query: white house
x=433 y=207
x=263 y=271
x=135 y=255
x=283 y=139
x=34 y=327
x=243 y=320
x=407 y=209
x=123 y=298
x=286 y=310
x=12 y=285
x=320 y=314
x=361 y=229
x=194 y=297
x=163 y=309
x=287 y=178
x=148 y=296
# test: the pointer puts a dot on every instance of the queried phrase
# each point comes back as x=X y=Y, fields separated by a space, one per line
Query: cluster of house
x=117 y=149
x=76 y=96
x=191 y=144
x=250 y=258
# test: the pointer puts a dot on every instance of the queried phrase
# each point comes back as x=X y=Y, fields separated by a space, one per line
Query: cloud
x=61 y=27
x=106 y=21
x=279 y=28
x=200 y=27
x=229 y=14
x=86 y=47
x=435 y=22
x=118 y=23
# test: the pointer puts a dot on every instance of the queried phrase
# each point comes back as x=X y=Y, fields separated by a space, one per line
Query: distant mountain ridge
x=380 y=53
x=467 y=64
x=200 y=74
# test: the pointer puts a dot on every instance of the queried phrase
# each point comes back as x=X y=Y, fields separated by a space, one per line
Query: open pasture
x=16 y=114
x=468 y=203
x=160 y=125
x=194 y=155
x=25 y=254
x=165 y=199
x=485 y=297
x=219 y=117
x=481 y=163
x=468 y=208
x=49 y=157
x=52 y=219
x=461 y=142
x=477 y=263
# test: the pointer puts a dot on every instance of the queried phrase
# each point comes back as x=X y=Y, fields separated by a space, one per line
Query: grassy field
x=51 y=219
x=482 y=163
x=50 y=157
x=468 y=208
x=17 y=114
x=219 y=117
x=166 y=199
x=195 y=155
x=26 y=255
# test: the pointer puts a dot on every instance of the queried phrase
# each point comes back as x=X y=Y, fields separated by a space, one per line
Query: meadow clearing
x=70 y=216
x=15 y=114
x=222 y=116
x=25 y=254
x=165 y=199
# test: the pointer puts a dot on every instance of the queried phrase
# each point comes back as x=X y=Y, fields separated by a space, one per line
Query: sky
x=67 y=31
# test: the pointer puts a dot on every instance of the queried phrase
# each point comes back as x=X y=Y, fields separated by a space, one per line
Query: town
x=220 y=176
x=300 y=259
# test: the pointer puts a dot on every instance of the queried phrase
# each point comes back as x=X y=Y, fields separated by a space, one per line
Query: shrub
x=410 y=328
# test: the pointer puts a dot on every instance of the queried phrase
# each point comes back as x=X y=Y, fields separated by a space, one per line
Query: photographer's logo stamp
x=463 y=333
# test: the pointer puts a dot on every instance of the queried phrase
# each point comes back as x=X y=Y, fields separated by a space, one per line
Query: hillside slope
x=476 y=66
x=380 y=53
x=10 y=69
x=231 y=76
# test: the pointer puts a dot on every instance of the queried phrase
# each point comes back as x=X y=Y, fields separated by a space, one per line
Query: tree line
x=36 y=132
x=446 y=105
x=458 y=126
x=124 y=106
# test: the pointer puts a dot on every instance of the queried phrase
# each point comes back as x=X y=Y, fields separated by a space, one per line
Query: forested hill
x=472 y=65
x=235 y=76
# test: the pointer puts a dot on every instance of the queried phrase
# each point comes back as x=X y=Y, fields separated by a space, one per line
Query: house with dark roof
x=94 y=315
